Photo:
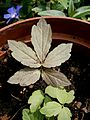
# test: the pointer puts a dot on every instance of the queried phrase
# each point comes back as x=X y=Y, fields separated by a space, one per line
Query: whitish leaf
x=41 y=39
x=25 y=77
x=71 y=8
x=55 y=78
x=65 y=114
x=82 y=11
x=35 y=100
x=58 y=55
x=61 y=94
x=23 y=54
x=63 y=3
x=51 y=109
x=51 y=13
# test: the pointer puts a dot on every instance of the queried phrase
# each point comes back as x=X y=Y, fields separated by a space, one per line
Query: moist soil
x=13 y=98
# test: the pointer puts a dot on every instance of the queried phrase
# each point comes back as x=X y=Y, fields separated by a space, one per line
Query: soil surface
x=13 y=98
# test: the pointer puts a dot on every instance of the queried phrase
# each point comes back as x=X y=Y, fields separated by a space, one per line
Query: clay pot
x=64 y=29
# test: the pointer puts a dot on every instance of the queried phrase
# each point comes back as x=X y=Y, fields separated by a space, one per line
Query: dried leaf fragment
x=4 y=117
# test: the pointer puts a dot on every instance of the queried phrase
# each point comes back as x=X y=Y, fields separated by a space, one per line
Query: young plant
x=39 y=61
x=46 y=107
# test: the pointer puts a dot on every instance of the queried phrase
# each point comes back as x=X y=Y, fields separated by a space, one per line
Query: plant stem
x=17 y=112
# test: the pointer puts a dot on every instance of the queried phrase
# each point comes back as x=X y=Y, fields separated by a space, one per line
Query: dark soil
x=13 y=98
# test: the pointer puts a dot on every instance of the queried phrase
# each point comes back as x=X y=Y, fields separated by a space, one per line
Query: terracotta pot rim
x=46 y=17
x=56 y=35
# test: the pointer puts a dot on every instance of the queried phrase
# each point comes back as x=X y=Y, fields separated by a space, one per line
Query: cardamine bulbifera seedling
x=39 y=62
x=53 y=103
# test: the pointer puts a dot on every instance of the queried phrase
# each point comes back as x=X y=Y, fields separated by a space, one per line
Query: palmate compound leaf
x=65 y=114
x=41 y=39
x=25 y=77
x=23 y=54
x=54 y=78
x=58 y=55
x=51 y=109
x=61 y=94
x=35 y=100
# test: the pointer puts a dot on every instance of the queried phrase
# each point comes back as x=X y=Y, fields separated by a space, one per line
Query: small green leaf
x=82 y=11
x=51 y=109
x=77 y=1
x=71 y=8
x=57 y=6
x=88 y=19
x=37 y=9
x=65 y=114
x=51 y=13
x=8 y=1
x=65 y=97
x=47 y=99
x=27 y=115
x=51 y=118
x=63 y=3
x=35 y=100
x=61 y=94
x=38 y=116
